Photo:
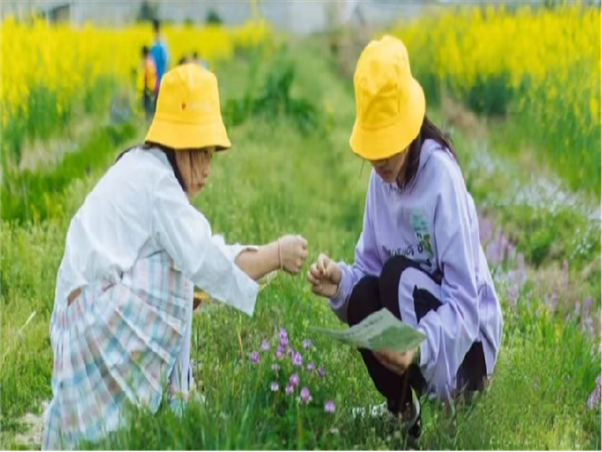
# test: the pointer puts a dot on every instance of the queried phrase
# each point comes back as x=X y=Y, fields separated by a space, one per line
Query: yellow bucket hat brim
x=384 y=142
x=178 y=135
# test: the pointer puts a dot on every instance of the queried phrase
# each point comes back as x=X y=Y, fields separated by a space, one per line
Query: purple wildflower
x=283 y=336
x=321 y=372
x=289 y=389
x=279 y=354
x=274 y=386
x=275 y=367
x=305 y=395
x=504 y=247
x=588 y=326
x=310 y=366
x=521 y=267
x=265 y=346
x=297 y=360
x=329 y=407
x=294 y=380
x=513 y=294
x=511 y=252
x=255 y=358
x=551 y=302
x=594 y=398
x=587 y=304
x=486 y=229
x=306 y=344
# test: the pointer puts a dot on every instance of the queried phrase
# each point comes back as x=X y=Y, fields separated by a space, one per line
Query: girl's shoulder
x=439 y=164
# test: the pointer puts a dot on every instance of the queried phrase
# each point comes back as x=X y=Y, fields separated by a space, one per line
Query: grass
x=277 y=179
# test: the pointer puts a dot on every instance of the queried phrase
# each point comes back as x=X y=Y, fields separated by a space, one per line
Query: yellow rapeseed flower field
x=67 y=63
x=540 y=64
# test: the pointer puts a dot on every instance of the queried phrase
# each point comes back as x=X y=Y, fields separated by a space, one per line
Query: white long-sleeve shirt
x=138 y=208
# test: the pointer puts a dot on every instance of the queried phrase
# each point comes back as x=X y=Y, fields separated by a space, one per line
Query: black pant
x=373 y=293
x=148 y=102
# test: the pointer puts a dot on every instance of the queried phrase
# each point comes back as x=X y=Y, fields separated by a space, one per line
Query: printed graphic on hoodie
x=421 y=229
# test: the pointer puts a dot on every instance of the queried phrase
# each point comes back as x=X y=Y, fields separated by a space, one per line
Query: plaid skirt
x=118 y=344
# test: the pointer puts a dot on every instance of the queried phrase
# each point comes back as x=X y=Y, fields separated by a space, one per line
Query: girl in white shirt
x=121 y=325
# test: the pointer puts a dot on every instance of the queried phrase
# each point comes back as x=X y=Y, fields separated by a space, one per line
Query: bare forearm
x=260 y=262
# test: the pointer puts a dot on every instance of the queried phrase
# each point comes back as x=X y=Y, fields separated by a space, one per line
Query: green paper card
x=379 y=331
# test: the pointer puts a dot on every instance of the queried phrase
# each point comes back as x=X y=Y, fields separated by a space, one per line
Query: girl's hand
x=292 y=253
x=394 y=361
x=324 y=276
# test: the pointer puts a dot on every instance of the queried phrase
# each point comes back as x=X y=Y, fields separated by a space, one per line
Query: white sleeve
x=186 y=236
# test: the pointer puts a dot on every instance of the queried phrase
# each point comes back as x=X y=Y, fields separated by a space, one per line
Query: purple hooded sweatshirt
x=434 y=223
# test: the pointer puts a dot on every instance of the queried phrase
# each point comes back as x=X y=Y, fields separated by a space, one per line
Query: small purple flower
x=265 y=346
x=289 y=389
x=310 y=366
x=305 y=395
x=255 y=358
x=289 y=351
x=283 y=336
x=594 y=398
x=587 y=326
x=294 y=380
x=513 y=294
x=321 y=372
x=306 y=344
x=587 y=304
x=274 y=386
x=329 y=407
x=297 y=360
x=275 y=367
x=551 y=301
x=511 y=252
x=279 y=354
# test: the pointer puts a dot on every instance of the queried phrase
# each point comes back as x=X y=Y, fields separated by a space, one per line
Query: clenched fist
x=324 y=276
x=292 y=253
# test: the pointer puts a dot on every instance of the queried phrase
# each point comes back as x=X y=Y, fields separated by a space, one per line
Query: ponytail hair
x=428 y=131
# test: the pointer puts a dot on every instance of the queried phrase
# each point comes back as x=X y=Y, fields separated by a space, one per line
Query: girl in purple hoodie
x=418 y=254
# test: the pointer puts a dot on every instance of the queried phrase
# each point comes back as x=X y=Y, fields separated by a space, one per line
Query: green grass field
x=280 y=178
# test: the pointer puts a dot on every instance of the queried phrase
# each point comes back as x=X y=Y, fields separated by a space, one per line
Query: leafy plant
x=275 y=99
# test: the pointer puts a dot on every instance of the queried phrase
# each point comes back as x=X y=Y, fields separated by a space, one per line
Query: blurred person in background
x=135 y=250
x=419 y=253
x=147 y=83
x=159 y=52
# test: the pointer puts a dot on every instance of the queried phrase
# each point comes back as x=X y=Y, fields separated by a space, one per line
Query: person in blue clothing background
x=159 y=53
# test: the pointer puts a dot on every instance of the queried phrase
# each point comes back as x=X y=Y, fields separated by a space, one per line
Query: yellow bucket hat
x=389 y=103
x=188 y=114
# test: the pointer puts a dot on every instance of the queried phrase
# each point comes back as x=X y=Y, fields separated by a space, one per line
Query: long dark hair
x=170 y=153
x=428 y=131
